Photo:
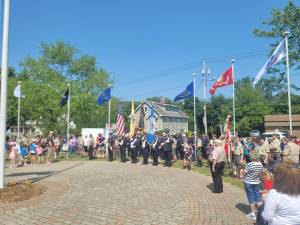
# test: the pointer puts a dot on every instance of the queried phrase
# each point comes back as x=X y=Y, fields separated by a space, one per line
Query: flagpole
x=233 y=96
x=195 y=126
x=3 y=100
x=109 y=110
x=19 y=110
x=204 y=96
x=286 y=33
x=68 y=118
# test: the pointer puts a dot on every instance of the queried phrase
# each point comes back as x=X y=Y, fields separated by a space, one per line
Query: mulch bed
x=20 y=191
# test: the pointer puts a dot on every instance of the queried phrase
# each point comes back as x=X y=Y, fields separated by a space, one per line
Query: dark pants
x=133 y=155
x=90 y=152
x=86 y=149
x=155 y=157
x=110 y=154
x=145 y=155
x=168 y=157
x=218 y=176
x=213 y=176
x=123 y=154
x=179 y=152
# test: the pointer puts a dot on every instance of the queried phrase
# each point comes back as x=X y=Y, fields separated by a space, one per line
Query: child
x=267 y=181
x=13 y=153
x=32 y=150
x=23 y=154
x=40 y=153
x=187 y=162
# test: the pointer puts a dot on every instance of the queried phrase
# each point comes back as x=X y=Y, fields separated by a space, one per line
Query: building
x=281 y=122
x=166 y=116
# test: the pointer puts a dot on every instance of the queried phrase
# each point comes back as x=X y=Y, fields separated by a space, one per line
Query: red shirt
x=268 y=184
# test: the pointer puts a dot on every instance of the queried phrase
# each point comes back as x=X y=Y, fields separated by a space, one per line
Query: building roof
x=166 y=110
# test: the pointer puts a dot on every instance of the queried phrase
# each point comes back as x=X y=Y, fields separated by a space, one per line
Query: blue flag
x=104 y=96
x=151 y=129
x=187 y=93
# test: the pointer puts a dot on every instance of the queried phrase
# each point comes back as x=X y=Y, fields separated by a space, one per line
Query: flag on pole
x=104 y=96
x=142 y=118
x=64 y=99
x=276 y=56
x=151 y=129
x=224 y=80
x=227 y=135
x=120 y=124
x=132 y=127
x=187 y=93
x=17 y=92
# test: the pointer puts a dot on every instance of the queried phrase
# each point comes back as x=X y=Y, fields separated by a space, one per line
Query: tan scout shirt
x=291 y=150
x=264 y=149
x=219 y=154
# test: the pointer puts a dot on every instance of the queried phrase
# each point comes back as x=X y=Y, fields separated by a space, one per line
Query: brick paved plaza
x=114 y=193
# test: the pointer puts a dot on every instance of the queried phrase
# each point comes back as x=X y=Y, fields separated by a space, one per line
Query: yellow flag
x=132 y=127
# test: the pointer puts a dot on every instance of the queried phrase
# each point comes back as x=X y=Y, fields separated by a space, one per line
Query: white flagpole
x=204 y=96
x=68 y=118
x=288 y=80
x=3 y=100
x=233 y=96
x=109 y=110
x=195 y=124
x=19 y=110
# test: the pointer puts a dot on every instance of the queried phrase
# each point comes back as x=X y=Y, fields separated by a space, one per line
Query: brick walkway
x=114 y=193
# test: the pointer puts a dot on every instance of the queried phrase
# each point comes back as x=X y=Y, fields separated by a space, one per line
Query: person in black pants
x=145 y=149
x=91 y=147
x=155 y=151
x=179 y=146
x=122 y=146
x=133 y=149
x=111 y=143
x=218 y=165
x=167 y=149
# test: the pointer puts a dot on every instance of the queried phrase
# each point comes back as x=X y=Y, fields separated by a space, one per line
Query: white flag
x=17 y=92
x=277 y=55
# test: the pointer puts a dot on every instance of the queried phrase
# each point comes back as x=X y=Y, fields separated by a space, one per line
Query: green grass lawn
x=227 y=178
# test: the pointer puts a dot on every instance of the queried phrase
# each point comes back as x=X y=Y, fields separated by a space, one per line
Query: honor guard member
x=111 y=143
x=133 y=149
x=122 y=147
x=180 y=146
x=155 y=151
x=167 y=149
x=145 y=150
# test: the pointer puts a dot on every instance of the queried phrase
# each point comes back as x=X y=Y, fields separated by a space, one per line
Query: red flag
x=227 y=134
x=224 y=80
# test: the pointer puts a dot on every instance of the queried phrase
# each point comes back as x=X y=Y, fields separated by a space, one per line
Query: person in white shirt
x=282 y=205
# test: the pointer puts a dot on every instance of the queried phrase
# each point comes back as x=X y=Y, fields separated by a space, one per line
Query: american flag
x=120 y=124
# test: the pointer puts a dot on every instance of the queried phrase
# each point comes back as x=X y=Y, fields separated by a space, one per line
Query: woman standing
x=282 y=205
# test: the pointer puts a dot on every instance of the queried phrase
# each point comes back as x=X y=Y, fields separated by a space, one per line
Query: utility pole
x=3 y=101
x=205 y=72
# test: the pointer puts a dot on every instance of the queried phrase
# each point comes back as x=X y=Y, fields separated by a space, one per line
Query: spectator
x=252 y=174
x=283 y=201
x=218 y=164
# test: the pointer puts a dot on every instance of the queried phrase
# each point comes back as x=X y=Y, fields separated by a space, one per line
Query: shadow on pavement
x=210 y=186
x=243 y=207
x=30 y=173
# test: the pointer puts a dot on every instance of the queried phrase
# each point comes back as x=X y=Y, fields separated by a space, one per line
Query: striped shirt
x=253 y=171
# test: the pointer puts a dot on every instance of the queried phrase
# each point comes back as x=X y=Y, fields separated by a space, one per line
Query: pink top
x=39 y=150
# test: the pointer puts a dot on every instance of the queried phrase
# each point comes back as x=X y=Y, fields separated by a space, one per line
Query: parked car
x=254 y=133
x=270 y=134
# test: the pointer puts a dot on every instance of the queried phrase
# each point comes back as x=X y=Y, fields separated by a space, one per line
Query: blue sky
x=150 y=47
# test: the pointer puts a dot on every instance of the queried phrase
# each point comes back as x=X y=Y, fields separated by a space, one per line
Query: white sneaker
x=251 y=216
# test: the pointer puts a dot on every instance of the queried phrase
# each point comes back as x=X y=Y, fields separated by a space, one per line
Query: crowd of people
x=262 y=163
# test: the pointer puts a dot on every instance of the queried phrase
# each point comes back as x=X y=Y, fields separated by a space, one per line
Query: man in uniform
x=291 y=151
x=218 y=164
x=179 y=146
x=145 y=149
x=167 y=148
x=155 y=150
x=133 y=149
x=111 y=145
